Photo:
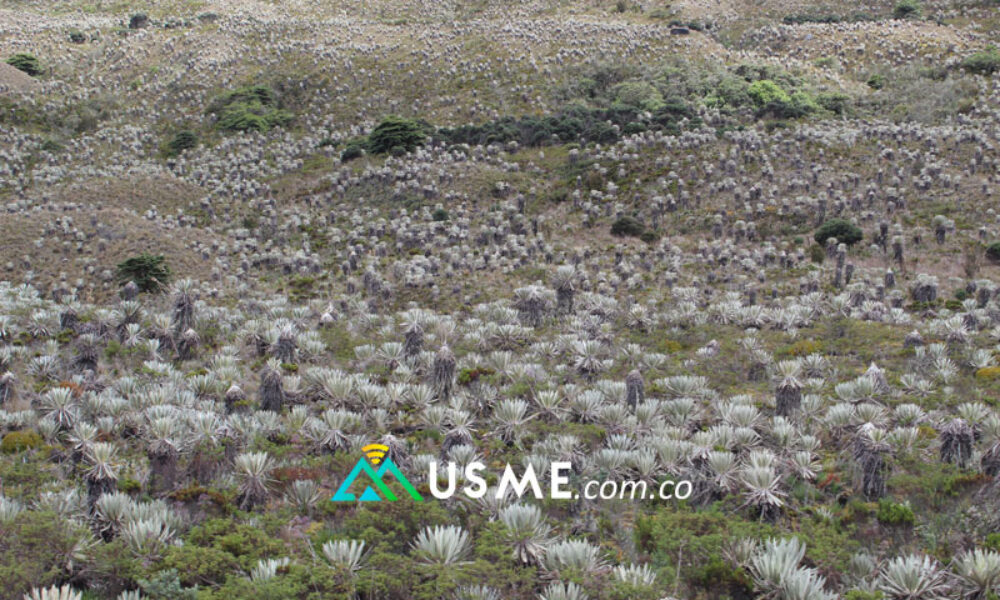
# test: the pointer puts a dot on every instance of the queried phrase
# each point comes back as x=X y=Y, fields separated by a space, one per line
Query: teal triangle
x=369 y=495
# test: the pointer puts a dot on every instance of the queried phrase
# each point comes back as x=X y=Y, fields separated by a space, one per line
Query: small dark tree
x=627 y=226
x=149 y=272
x=395 y=132
x=27 y=63
x=182 y=140
x=993 y=251
x=845 y=232
x=138 y=21
x=986 y=62
x=906 y=9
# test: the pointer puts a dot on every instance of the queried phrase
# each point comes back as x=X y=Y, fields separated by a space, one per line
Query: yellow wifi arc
x=375 y=452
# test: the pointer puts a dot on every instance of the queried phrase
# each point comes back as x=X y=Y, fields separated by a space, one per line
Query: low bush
x=182 y=140
x=27 y=63
x=907 y=9
x=150 y=272
x=827 y=18
x=138 y=21
x=352 y=151
x=993 y=251
x=988 y=374
x=396 y=132
x=627 y=226
x=580 y=123
x=252 y=108
x=986 y=62
x=34 y=546
x=892 y=513
x=845 y=232
x=18 y=441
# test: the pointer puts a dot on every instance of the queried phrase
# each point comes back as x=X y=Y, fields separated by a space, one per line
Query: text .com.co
x=375 y=466
x=559 y=487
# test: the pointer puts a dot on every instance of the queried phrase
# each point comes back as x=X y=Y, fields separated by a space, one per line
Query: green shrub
x=699 y=539
x=650 y=236
x=892 y=513
x=252 y=117
x=138 y=21
x=876 y=81
x=166 y=585
x=396 y=132
x=627 y=226
x=77 y=37
x=906 y=9
x=440 y=214
x=352 y=151
x=986 y=62
x=294 y=582
x=27 y=63
x=34 y=547
x=992 y=541
x=201 y=566
x=834 y=102
x=252 y=108
x=182 y=140
x=245 y=544
x=845 y=232
x=765 y=92
x=640 y=94
x=817 y=254
x=149 y=272
x=18 y=441
x=573 y=123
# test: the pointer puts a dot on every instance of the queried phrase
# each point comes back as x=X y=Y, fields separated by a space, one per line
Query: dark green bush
x=649 y=236
x=252 y=108
x=834 y=102
x=396 y=132
x=182 y=140
x=34 y=546
x=876 y=81
x=294 y=582
x=993 y=251
x=628 y=226
x=574 y=123
x=252 y=117
x=986 y=62
x=800 y=18
x=352 y=151
x=149 y=272
x=845 y=232
x=440 y=214
x=77 y=37
x=27 y=63
x=907 y=9
x=138 y=21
